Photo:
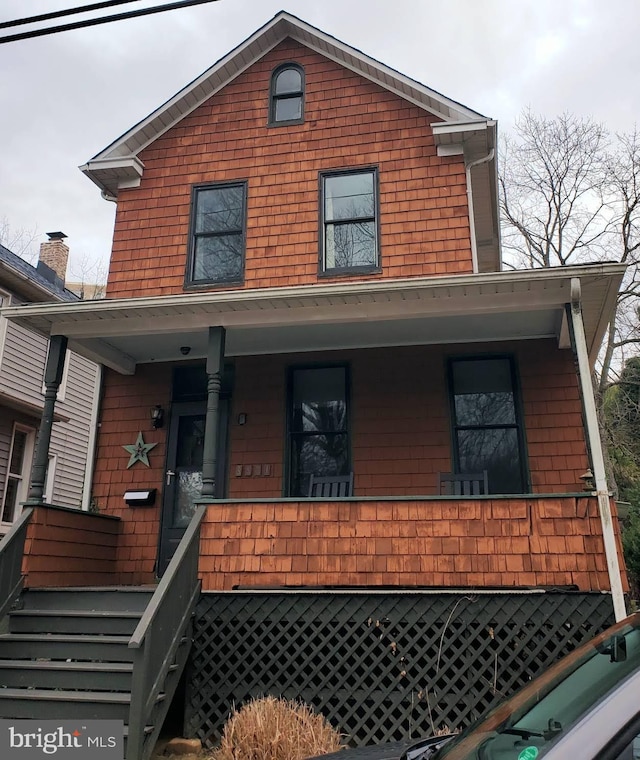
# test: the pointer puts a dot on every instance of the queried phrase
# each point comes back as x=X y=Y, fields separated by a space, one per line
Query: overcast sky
x=65 y=97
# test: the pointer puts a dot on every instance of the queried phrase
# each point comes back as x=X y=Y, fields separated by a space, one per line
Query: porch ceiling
x=121 y=333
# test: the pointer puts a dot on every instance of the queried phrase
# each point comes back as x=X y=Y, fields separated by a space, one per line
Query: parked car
x=585 y=707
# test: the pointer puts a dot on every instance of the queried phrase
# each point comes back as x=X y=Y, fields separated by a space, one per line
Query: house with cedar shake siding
x=309 y=330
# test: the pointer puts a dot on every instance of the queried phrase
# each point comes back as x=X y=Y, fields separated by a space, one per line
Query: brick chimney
x=55 y=254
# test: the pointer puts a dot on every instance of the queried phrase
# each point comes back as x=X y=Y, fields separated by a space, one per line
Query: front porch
x=551 y=541
x=396 y=382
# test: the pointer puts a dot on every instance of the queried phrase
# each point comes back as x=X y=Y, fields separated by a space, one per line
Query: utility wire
x=102 y=20
x=60 y=14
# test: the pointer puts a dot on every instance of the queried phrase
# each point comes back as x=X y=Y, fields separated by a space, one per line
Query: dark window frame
x=518 y=425
x=376 y=267
x=291 y=370
x=275 y=98
x=189 y=280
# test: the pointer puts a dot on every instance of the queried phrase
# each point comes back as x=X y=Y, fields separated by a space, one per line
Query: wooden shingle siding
x=502 y=542
x=66 y=547
x=349 y=122
x=400 y=428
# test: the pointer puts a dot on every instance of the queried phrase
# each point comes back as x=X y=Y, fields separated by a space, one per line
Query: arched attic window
x=286 y=104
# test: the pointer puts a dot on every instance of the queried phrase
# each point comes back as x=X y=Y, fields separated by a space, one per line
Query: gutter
x=472 y=220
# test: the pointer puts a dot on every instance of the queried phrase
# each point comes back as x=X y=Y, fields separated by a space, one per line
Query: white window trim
x=50 y=479
x=5 y=300
x=23 y=487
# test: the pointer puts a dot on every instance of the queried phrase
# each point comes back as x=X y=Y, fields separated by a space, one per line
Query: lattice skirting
x=380 y=666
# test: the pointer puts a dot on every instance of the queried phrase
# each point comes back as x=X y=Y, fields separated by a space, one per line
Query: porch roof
x=524 y=304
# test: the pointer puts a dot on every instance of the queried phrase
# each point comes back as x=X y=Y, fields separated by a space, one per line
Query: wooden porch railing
x=11 y=553
x=157 y=639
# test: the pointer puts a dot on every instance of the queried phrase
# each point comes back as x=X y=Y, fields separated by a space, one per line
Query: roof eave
x=283 y=25
x=26 y=287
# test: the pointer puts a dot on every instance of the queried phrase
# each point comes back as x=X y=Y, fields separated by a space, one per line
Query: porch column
x=579 y=345
x=215 y=362
x=52 y=380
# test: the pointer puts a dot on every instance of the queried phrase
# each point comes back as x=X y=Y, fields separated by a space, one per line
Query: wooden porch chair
x=464 y=484
x=331 y=486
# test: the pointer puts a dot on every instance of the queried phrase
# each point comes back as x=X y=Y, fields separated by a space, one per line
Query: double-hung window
x=349 y=236
x=218 y=234
x=287 y=95
x=487 y=431
x=17 y=480
x=318 y=426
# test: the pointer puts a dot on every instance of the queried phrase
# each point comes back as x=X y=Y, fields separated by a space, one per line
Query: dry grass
x=275 y=729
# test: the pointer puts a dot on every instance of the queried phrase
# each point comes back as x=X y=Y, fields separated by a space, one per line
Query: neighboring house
x=305 y=284
x=22 y=361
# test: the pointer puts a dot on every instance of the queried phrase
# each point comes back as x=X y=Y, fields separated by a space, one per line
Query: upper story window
x=349 y=238
x=217 y=234
x=287 y=94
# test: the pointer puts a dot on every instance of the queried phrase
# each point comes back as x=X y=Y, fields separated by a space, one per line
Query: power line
x=102 y=20
x=68 y=12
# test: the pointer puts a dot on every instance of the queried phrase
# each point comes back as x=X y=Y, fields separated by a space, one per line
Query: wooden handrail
x=160 y=632
x=11 y=553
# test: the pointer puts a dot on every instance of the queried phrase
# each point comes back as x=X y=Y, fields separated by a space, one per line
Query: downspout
x=595 y=446
x=472 y=220
x=93 y=440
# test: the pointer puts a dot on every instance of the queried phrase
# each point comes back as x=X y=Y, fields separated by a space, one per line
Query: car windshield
x=530 y=722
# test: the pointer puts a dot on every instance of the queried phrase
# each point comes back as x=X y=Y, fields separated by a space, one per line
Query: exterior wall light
x=157 y=417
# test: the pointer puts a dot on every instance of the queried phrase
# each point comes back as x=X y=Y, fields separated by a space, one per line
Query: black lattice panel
x=379 y=666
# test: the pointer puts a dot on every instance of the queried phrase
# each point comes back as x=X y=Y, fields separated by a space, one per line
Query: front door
x=183 y=477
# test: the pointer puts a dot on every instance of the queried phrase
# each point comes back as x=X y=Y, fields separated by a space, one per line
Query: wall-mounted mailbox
x=140 y=498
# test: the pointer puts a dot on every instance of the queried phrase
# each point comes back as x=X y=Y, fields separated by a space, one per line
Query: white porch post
x=595 y=446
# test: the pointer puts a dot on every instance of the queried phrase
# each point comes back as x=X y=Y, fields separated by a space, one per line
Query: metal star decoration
x=139 y=451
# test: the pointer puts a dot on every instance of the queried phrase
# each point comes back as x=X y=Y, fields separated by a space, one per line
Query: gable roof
x=117 y=165
x=25 y=280
x=460 y=131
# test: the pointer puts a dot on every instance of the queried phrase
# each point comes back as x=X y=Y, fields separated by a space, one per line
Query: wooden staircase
x=105 y=653
x=66 y=655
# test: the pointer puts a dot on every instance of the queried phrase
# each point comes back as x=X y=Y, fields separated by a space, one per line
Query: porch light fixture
x=157 y=417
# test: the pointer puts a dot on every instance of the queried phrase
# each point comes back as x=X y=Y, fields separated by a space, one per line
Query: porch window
x=218 y=234
x=487 y=433
x=287 y=95
x=318 y=426
x=17 y=481
x=349 y=237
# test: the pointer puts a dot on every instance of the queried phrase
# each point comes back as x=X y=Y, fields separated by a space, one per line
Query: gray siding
x=22 y=368
x=23 y=357
x=70 y=440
